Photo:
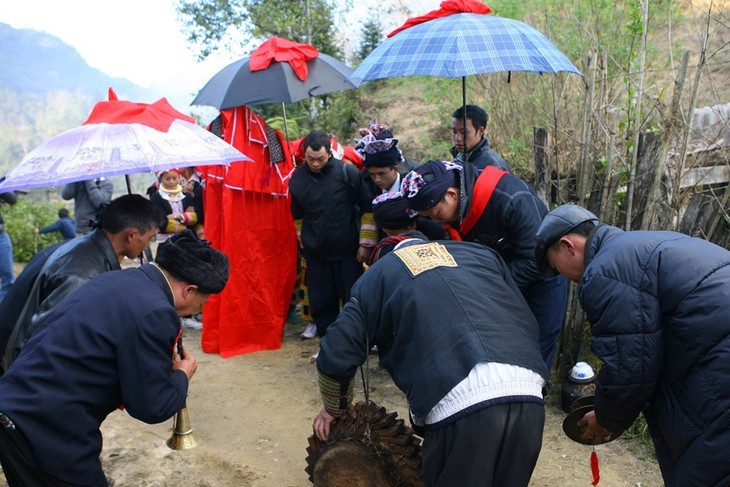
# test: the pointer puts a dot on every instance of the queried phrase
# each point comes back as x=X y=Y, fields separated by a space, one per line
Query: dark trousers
x=17 y=460
x=548 y=300
x=329 y=284
x=495 y=446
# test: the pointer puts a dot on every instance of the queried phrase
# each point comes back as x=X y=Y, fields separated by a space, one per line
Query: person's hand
x=187 y=363
x=36 y=230
x=363 y=253
x=593 y=430
x=322 y=423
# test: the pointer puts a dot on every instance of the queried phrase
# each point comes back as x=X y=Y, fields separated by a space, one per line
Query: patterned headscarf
x=377 y=130
x=425 y=186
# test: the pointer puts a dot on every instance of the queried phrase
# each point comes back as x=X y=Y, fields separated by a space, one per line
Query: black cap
x=194 y=261
x=386 y=158
x=560 y=221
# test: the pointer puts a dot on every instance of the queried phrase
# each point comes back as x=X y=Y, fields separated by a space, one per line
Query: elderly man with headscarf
x=111 y=343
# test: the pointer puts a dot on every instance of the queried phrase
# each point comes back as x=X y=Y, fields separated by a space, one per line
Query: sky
x=139 y=40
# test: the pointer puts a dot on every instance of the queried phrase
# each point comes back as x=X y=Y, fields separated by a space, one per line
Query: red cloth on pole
x=447 y=7
x=283 y=50
x=247 y=216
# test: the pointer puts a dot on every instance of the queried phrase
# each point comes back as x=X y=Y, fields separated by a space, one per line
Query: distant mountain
x=46 y=88
x=36 y=63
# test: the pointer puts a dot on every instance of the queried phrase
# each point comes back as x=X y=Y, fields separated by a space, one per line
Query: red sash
x=483 y=189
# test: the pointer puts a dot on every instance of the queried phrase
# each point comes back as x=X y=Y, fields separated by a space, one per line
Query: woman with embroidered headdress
x=176 y=204
x=385 y=166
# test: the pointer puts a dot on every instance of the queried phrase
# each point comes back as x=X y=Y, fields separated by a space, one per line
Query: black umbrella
x=237 y=85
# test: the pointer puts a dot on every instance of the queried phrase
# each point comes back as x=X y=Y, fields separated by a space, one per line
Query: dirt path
x=252 y=414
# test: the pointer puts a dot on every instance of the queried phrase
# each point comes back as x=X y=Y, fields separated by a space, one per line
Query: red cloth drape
x=283 y=50
x=447 y=7
x=247 y=216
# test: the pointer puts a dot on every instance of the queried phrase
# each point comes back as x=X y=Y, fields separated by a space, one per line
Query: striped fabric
x=336 y=394
x=462 y=45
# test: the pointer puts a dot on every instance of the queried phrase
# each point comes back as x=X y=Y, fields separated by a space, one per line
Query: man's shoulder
x=483 y=155
x=82 y=255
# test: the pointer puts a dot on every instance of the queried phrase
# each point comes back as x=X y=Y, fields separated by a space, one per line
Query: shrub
x=22 y=219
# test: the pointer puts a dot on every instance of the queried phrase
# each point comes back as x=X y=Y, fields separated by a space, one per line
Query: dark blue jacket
x=433 y=323
x=508 y=224
x=65 y=226
x=659 y=305
x=98 y=351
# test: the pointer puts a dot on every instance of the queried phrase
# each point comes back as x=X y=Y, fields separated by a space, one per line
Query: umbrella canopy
x=276 y=78
x=463 y=44
x=120 y=137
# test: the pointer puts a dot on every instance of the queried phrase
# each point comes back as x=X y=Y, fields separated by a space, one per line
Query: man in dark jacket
x=88 y=196
x=454 y=332
x=658 y=305
x=100 y=350
x=499 y=210
x=330 y=205
x=126 y=227
x=468 y=133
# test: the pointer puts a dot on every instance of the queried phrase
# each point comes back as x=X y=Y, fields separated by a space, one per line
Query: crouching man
x=456 y=335
x=111 y=343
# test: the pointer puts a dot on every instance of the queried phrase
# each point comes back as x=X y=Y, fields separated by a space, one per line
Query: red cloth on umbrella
x=283 y=50
x=247 y=216
x=447 y=7
x=158 y=115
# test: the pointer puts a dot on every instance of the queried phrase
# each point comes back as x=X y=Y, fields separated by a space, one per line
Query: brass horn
x=182 y=432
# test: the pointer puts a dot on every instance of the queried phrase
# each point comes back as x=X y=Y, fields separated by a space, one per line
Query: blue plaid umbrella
x=461 y=45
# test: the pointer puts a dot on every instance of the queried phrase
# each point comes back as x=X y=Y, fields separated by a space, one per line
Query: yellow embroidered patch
x=420 y=258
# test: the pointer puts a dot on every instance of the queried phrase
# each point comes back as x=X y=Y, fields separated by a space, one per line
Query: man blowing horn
x=111 y=343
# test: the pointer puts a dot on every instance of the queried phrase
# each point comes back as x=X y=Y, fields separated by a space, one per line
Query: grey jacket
x=88 y=197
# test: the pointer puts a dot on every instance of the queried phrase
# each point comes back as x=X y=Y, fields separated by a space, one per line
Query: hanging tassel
x=594 y=467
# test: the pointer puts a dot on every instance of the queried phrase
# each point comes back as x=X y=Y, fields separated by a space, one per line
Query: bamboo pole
x=586 y=130
x=669 y=128
x=637 y=123
x=607 y=178
x=690 y=115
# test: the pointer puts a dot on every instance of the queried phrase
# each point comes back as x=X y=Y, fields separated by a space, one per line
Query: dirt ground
x=251 y=416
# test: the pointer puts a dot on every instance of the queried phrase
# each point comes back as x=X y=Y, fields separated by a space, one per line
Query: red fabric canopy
x=158 y=115
x=283 y=50
x=447 y=7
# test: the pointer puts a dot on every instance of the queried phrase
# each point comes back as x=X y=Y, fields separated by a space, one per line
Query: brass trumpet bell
x=182 y=432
